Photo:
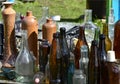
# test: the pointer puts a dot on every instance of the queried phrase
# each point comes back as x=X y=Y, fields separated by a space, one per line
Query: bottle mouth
x=7 y=2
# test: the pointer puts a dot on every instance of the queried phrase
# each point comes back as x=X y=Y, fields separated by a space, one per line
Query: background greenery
x=69 y=10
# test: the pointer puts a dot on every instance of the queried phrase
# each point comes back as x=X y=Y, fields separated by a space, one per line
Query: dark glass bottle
x=113 y=68
x=44 y=49
x=93 y=70
x=108 y=42
x=102 y=59
x=65 y=55
x=81 y=41
x=116 y=45
x=55 y=60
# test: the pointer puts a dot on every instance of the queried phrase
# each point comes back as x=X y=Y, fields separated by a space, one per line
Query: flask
x=10 y=51
x=89 y=26
x=81 y=41
x=45 y=16
x=25 y=62
x=48 y=29
x=83 y=62
x=108 y=42
x=30 y=24
x=65 y=56
x=111 y=22
x=55 y=60
x=102 y=57
x=44 y=49
x=113 y=68
x=79 y=77
x=116 y=43
x=93 y=70
x=97 y=5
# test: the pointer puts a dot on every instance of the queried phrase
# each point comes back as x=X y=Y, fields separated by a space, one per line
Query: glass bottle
x=83 y=62
x=116 y=43
x=113 y=68
x=65 y=55
x=89 y=26
x=108 y=42
x=55 y=60
x=81 y=41
x=71 y=68
x=111 y=22
x=102 y=59
x=45 y=15
x=93 y=70
x=44 y=49
x=25 y=63
x=79 y=77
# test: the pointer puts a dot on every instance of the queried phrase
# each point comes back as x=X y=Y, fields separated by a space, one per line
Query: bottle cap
x=111 y=56
x=56 y=18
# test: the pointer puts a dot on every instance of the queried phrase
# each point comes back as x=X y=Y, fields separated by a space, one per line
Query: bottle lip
x=111 y=56
x=7 y=2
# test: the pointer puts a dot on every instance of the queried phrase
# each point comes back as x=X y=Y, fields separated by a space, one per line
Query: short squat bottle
x=79 y=77
x=25 y=63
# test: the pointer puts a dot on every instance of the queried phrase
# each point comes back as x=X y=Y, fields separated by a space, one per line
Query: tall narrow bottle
x=89 y=26
x=102 y=57
x=108 y=42
x=113 y=68
x=55 y=60
x=81 y=41
x=65 y=55
x=116 y=45
x=93 y=70
x=25 y=63
x=83 y=62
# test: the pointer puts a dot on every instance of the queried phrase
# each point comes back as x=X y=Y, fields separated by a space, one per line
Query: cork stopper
x=111 y=56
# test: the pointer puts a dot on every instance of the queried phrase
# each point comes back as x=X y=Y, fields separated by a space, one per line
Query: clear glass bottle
x=79 y=77
x=45 y=15
x=83 y=62
x=25 y=62
x=89 y=26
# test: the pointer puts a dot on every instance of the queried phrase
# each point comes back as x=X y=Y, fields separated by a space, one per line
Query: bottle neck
x=97 y=33
x=105 y=30
x=81 y=33
x=88 y=16
x=45 y=12
x=102 y=45
x=84 y=51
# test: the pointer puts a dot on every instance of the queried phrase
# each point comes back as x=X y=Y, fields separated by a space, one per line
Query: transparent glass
x=79 y=77
x=83 y=62
x=89 y=26
x=25 y=62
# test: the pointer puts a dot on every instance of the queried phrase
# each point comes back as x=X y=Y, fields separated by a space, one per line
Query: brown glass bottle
x=65 y=56
x=55 y=60
x=116 y=43
x=113 y=68
x=102 y=59
x=108 y=42
x=81 y=41
x=48 y=29
x=93 y=70
x=44 y=49
x=98 y=7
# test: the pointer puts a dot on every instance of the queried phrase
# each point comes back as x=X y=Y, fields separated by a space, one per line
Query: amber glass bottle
x=81 y=41
x=65 y=55
x=108 y=42
x=102 y=59
x=113 y=68
x=116 y=45
x=93 y=70
x=55 y=60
